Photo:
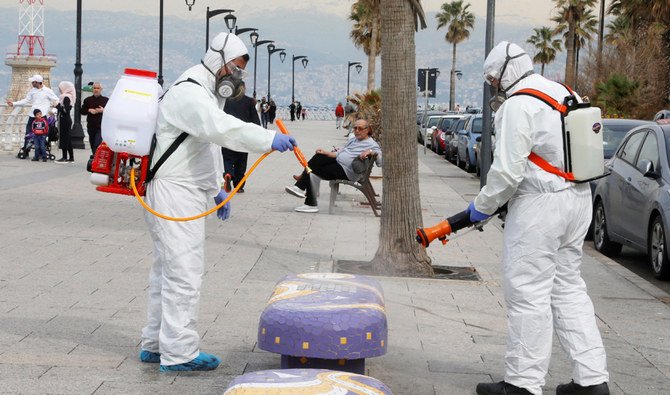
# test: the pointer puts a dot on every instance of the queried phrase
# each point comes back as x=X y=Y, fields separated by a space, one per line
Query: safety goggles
x=236 y=72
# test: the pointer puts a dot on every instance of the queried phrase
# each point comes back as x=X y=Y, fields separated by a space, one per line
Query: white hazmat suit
x=544 y=231
x=184 y=186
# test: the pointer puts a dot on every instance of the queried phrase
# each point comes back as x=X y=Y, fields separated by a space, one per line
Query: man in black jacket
x=234 y=162
x=93 y=107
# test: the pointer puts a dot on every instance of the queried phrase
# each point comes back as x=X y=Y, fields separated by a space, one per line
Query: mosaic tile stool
x=325 y=321
x=305 y=382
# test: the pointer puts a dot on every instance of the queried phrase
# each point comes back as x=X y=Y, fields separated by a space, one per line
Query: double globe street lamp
x=304 y=65
x=359 y=67
x=282 y=55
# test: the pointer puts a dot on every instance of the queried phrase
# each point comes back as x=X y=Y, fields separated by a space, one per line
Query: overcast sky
x=535 y=12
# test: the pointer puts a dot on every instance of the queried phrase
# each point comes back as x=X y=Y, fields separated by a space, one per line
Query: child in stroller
x=29 y=143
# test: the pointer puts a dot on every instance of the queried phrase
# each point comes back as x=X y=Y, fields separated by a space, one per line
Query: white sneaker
x=307 y=209
x=295 y=191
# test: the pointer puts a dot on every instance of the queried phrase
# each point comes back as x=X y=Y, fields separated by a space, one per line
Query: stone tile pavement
x=74 y=266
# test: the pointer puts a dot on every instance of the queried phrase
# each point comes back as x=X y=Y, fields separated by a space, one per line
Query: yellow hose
x=206 y=213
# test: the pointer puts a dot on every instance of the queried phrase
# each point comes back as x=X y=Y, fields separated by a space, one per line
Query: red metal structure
x=31 y=26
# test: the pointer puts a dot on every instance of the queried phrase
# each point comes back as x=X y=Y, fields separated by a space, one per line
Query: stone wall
x=24 y=67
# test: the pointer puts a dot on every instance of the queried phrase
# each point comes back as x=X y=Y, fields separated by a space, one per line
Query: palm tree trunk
x=542 y=71
x=398 y=252
x=452 y=79
x=374 y=50
x=570 y=61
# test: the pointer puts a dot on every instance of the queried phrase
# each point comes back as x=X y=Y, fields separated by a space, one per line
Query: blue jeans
x=40 y=146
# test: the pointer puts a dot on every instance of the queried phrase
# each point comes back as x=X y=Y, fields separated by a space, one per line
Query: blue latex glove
x=224 y=212
x=476 y=216
x=283 y=142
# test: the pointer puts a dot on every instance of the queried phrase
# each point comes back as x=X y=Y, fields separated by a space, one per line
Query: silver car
x=631 y=205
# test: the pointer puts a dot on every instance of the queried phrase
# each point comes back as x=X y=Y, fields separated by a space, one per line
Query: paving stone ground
x=74 y=266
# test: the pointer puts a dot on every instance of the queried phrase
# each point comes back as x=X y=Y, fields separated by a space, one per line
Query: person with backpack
x=191 y=112
x=547 y=219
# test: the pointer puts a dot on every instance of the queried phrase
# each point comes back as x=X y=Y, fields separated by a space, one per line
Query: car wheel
x=478 y=170
x=469 y=167
x=458 y=161
x=658 y=253
x=601 y=240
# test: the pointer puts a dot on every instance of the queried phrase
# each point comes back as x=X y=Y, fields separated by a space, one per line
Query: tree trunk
x=666 y=49
x=374 y=50
x=570 y=61
x=542 y=71
x=399 y=254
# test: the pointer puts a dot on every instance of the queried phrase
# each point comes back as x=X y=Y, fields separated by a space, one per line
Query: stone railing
x=12 y=126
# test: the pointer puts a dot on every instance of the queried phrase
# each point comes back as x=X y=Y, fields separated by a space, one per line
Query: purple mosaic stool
x=325 y=321
x=305 y=382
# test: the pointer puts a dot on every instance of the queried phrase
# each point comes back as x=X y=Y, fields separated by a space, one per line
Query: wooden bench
x=305 y=382
x=362 y=184
x=325 y=321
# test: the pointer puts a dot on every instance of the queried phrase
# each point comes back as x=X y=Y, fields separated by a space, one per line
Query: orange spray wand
x=296 y=150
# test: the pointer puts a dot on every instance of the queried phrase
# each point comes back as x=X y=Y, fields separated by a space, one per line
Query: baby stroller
x=29 y=144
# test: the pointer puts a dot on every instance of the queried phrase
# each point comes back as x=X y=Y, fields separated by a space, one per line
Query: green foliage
x=545 y=44
x=458 y=19
x=369 y=107
x=617 y=95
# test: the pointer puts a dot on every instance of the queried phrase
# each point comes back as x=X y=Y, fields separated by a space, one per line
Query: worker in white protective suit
x=545 y=226
x=183 y=186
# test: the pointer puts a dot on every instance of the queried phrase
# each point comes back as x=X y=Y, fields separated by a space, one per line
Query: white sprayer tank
x=584 y=131
x=129 y=120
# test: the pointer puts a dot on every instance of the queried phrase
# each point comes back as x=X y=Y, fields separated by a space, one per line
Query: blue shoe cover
x=203 y=361
x=150 y=357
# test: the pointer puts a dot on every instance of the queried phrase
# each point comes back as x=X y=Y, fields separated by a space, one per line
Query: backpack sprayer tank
x=128 y=127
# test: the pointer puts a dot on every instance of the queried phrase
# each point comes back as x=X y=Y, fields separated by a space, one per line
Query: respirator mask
x=229 y=86
x=499 y=95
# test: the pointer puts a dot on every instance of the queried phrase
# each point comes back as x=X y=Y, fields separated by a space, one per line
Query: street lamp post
x=452 y=90
x=272 y=49
x=230 y=19
x=239 y=31
x=77 y=133
x=359 y=67
x=452 y=86
x=256 y=45
x=304 y=65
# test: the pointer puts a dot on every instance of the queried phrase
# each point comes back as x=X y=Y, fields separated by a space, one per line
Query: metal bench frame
x=362 y=184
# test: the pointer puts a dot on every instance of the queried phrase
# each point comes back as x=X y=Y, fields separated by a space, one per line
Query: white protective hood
x=515 y=69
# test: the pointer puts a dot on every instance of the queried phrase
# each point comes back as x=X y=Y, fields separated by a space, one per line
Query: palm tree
x=570 y=13
x=459 y=22
x=546 y=46
x=641 y=14
x=398 y=252
x=365 y=33
x=619 y=32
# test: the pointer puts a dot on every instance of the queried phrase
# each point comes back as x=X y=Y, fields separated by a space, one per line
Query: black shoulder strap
x=173 y=147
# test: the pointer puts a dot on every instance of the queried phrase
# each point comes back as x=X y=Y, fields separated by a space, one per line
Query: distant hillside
x=112 y=41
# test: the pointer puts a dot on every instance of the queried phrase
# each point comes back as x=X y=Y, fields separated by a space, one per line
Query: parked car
x=451 y=139
x=632 y=204
x=422 y=117
x=437 y=143
x=430 y=124
x=477 y=148
x=467 y=138
x=663 y=114
x=614 y=130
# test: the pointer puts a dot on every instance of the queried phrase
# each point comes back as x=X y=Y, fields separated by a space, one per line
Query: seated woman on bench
x=334 y=165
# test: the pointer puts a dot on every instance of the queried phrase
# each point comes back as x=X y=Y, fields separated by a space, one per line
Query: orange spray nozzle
x=296 y=150
x=440 y=231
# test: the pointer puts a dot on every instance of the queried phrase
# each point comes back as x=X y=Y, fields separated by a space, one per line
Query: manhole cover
x=441 y=272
